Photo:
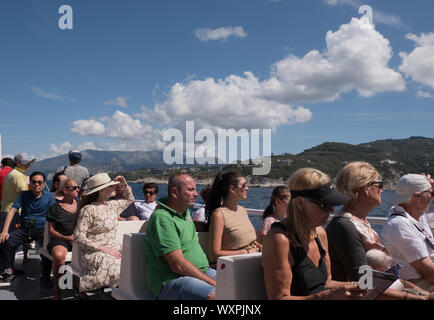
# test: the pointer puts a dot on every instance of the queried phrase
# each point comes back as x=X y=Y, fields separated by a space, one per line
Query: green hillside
x=392 y=158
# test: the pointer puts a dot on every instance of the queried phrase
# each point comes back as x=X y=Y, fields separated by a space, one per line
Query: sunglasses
x=149 y=192
x=38 y=182
x=378 y=184
x=430 y=192
x=73 y=187
x=324 y=207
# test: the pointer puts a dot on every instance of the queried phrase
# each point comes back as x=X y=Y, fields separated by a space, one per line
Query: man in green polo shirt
x=176 y=266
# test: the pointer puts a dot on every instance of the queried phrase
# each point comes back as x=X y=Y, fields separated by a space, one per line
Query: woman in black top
x=61 y=217
x=295 y=258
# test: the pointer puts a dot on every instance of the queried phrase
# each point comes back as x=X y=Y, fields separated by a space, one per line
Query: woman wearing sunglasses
x=295 y=250
x=350 y=235
x=230 y=230
x=95 y=232
x=61 y=217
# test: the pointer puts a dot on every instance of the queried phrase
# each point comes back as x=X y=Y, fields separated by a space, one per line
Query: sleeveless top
x=307 y=278
x=238 y=231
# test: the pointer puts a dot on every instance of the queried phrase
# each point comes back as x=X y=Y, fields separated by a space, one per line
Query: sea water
x=259 y=198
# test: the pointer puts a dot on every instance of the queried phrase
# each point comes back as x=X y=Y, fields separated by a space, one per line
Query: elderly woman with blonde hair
x=350 y=234
x=295 y=250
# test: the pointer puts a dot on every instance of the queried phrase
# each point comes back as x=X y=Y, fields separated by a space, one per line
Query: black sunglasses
x=73 y=187
x=430 y=192
x=378 y=184
x=38 y=182
x=149 y=192
x=324 y=207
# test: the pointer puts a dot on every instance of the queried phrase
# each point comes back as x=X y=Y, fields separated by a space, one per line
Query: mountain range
x=391 y=157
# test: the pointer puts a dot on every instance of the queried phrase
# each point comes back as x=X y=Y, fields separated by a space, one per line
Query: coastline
x=265 y=183
x=206 y=182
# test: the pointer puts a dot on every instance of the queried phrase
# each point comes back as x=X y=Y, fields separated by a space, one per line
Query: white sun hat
x=99 y=182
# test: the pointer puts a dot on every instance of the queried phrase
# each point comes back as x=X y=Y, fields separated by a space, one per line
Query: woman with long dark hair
x=276 y=209
x=230 y=229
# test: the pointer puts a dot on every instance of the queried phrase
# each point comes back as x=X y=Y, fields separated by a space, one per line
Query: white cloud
x=122 y=126
x=62 y=149
x=45 y=94
x=130 y=133
x=355 y=58
x=226 y=103
x=118 y=101
x=88 y=127
x=419 y=64
x=223 y=33
x=424 y=94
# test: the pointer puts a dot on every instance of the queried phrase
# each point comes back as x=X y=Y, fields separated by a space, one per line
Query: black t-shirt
x=63 y=220
x=346 y=249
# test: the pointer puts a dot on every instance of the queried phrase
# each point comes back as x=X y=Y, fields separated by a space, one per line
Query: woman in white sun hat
x=95 y=232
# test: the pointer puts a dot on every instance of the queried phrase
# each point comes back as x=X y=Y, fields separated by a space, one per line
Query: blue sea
x=259 y=197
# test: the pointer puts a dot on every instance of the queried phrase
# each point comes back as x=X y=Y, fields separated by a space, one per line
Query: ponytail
x=279 y=192
x=219 y=191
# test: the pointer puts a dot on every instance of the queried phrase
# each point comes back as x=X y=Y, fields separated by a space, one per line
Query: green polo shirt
x=167 y=231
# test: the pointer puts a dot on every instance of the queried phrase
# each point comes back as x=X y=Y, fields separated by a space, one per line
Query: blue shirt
x=32 y=208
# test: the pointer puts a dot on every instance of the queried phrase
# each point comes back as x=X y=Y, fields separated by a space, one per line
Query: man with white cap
x=407 y=235
x=75 y=171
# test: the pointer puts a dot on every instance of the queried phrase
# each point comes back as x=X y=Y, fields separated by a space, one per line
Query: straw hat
x=99 y=182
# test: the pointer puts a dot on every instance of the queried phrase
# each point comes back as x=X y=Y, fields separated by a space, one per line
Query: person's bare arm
x=179 y=265
x=425 y=267
x=277 y=270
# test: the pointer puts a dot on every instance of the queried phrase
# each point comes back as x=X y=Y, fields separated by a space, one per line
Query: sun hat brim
x=98 y=188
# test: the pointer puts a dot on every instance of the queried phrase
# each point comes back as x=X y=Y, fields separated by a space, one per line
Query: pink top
x=266 y=224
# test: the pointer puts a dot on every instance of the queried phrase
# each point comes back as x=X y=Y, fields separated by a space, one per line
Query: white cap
x=408 y=185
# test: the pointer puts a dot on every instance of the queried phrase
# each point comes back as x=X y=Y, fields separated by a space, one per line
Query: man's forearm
x=183 y=267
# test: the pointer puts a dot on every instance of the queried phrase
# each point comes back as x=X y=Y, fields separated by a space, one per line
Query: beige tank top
x=238 y=231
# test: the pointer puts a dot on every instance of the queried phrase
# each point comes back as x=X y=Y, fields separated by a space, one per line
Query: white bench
x=123 y=228
x=132 y=282
x=240 y=277
x=47 y=237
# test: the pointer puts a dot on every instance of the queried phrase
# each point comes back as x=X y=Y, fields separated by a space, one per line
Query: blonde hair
x=355 y=176
x=298 y=224
x=62 y=185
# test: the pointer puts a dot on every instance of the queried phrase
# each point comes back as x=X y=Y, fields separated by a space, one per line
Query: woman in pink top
x=276 y=210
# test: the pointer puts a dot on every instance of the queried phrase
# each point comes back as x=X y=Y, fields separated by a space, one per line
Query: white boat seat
x=240 y=277
x=132 y=282
x=47 y=237
x=123 y=228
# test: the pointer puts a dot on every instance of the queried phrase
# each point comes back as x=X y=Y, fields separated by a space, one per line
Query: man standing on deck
x=14 y=183
x=75 y=170
x=7 y=166
x=176 y=266
x=34 y=204
x=407 y=235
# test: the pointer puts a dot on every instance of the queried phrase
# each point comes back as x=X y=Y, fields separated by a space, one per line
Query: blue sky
x=130 y=69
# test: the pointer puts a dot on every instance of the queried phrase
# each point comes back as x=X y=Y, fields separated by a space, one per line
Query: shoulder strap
x=64 y=169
